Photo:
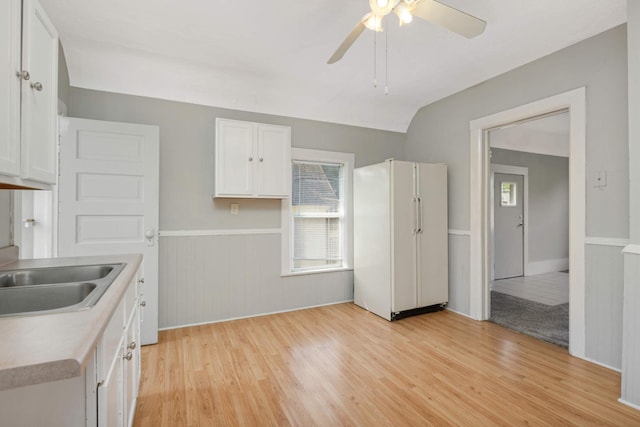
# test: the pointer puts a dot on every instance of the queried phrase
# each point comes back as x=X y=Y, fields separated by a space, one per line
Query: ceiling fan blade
x=449 y=18
x=346 y=44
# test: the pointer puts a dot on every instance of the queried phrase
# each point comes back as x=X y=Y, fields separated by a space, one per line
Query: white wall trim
x=606 y=241
x=479 y=255
x=459 y=313
x=631 y=249
x=513 y=170
x=251 y=316
x=459 y=232
x=624 y=402
x=547 y=266
x=218 y=232
x=595 y=362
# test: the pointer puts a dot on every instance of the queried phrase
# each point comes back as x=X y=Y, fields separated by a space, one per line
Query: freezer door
x=404 y=206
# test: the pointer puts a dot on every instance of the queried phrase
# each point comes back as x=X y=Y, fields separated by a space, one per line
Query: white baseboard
x=168 y=328
x=604 y=365
x=633 y=405
x=547 y=266
x=460 y=313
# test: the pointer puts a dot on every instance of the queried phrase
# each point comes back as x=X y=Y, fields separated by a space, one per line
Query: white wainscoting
x=459 y=272
x=215 y=275
x=630 y=329
x=603 y=302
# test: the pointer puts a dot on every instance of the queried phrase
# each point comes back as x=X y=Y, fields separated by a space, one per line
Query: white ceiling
x=270 y=56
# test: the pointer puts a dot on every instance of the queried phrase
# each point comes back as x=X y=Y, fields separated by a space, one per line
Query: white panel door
x=108 y=199
x=403 y=220
x=39 y=95
x=10 y=87
x=274 y=159
x=508 y=237
x=235 y=148
x=433 y=240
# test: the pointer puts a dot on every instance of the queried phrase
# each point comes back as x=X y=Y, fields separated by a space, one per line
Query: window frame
x=319 y=156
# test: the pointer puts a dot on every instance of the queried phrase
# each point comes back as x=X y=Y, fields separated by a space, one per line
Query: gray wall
x=548 y=201
x=5 y=218
x=63 y=77
x=216 y=277
x=186 y=154
x=440 y=132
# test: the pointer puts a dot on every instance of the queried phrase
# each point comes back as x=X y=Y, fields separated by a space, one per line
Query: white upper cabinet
x=10 y=87
x=252 y=160
x=28 y=95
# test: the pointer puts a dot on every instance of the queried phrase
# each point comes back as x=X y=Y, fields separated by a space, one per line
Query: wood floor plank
x=341 y=365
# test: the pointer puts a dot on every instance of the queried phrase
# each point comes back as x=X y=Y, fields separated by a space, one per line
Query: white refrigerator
x=400 y=238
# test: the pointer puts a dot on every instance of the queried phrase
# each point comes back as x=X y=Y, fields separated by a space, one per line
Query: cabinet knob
x=128 y=356
x=132 y=345
x=24 y=75
x=141 y=280
x=143 y=304
x=37 y=86
x=261 y=159
x=251 y=159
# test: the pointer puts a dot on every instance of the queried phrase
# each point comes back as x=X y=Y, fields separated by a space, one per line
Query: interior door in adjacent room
x=508 y=225
x=108 y=199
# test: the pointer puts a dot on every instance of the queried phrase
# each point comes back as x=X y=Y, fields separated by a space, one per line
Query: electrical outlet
x=235 y=208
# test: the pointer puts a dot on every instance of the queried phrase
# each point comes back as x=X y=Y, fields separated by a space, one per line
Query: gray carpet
x=546 y=322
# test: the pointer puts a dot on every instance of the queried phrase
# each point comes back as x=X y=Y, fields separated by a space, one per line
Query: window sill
x=306 y=272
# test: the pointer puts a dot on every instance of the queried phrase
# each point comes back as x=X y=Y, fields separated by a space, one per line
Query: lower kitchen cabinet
x=118 y=365
x=106 y=393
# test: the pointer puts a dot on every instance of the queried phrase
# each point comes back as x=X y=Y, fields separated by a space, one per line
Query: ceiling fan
x=429 y=10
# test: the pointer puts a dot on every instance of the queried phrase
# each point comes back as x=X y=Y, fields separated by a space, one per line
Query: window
x=317 y=217
x=508 y=194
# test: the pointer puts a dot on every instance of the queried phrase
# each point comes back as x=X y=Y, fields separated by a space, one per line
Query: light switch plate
x=235 y=208
x=600 y=179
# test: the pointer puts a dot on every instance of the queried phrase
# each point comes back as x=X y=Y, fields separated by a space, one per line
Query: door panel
x=508 y=225
x=433 y=240
x=403 y=220
x=108 y=199
x=273 y=160
x=234 y=164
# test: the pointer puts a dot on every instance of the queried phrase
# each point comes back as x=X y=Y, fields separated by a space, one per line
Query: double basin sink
x=55 y=289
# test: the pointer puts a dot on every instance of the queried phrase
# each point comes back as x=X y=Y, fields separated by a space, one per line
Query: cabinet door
x=235 y=160
x=274 y=161
x=10 y=87
x=131 y=370
x=39 y=94
x=110 y=397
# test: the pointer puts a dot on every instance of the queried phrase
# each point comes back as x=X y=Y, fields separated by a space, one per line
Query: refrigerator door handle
x=416 y=213
x=419 y=215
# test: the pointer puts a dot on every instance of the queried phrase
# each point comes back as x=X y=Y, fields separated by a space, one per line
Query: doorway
x=530 y=293
x=479 y=244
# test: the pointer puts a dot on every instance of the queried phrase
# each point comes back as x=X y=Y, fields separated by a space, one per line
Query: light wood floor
x=340 y=365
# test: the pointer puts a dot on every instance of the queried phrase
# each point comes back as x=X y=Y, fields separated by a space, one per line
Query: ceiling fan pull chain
x=375 y=79
x=386 y=61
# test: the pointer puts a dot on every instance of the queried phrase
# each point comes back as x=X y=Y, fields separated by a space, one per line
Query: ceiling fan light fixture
x=404 y=13
x=382 y=7
x=373 y=22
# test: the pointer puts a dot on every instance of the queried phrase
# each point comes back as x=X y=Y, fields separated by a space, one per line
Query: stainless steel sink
x=55 y=289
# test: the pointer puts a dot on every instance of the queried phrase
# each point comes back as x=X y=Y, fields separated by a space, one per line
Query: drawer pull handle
x=128 y=356
x=132 y=345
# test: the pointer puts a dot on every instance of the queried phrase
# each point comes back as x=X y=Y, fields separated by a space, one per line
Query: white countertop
x=50 y=347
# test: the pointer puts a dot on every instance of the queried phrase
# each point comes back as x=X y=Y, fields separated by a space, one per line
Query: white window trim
x=348 y=160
